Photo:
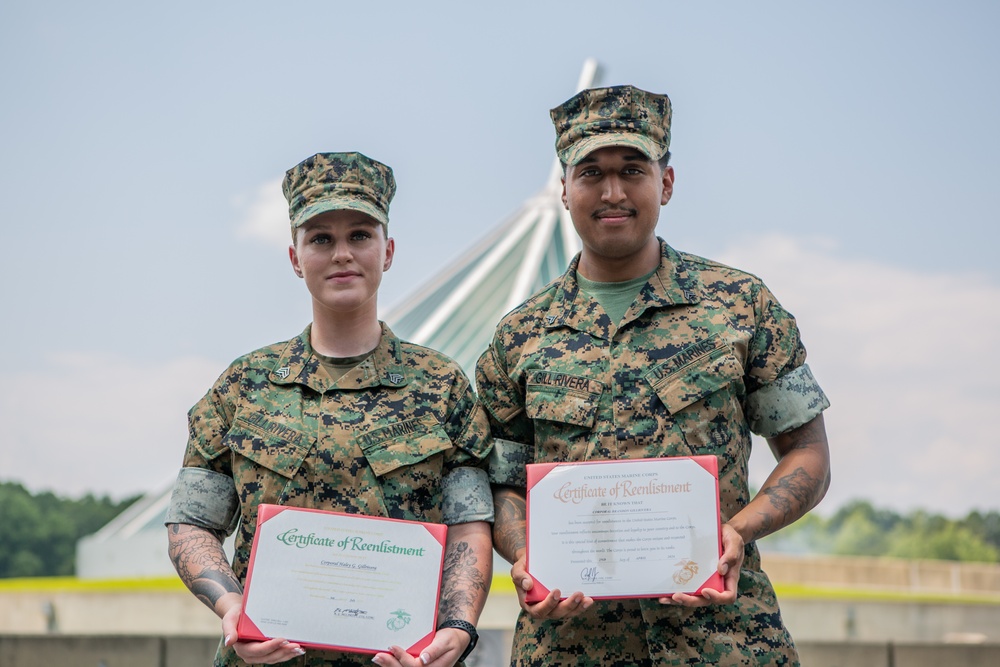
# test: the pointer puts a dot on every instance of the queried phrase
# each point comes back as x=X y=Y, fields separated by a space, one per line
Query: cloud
x=906 y=357
x=908 y=361
x=82 y=423
x=264 y=214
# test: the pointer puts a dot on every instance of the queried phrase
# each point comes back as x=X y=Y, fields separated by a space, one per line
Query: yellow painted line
x=805 y=592
x=501 y=585
x=72 y=584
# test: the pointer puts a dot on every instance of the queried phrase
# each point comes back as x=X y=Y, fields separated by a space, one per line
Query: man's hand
x=729 y=567
x=509 y=540
x=551 y=606
x=261 y=653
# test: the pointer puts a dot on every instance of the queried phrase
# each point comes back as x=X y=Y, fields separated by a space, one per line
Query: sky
x=847 y=153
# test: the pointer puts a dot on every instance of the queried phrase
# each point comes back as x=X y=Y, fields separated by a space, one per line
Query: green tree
x=860 y=529
x=808 y=535
x=987 y=526
x=932 y=536
x=38 y=533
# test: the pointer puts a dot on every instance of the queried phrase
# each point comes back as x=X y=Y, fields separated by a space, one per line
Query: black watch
x=468 y=627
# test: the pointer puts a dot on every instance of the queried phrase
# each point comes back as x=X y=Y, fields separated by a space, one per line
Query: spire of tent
x=457 y=310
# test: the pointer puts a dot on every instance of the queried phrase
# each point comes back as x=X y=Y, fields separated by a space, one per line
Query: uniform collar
x=298 y=364
x=674 y=283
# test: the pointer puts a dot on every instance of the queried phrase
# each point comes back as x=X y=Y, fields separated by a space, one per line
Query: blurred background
x=846 y=153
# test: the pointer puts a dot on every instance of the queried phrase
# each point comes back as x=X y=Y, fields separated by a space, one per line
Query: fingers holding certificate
x=340 y=581
x=621 y=529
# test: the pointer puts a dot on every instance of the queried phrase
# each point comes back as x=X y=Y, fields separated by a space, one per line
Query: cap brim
x=339 y=204
x=584 y=147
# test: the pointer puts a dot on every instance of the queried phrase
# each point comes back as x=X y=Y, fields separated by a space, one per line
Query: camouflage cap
x=616 y=116
x=336 y=181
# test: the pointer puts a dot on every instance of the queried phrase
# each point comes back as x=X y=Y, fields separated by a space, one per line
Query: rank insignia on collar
x=283 y=372
x=550 y=318
x=395 y=378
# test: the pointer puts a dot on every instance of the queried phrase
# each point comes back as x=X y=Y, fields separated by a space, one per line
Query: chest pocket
x=266 y=457
x=697 y=387
x=404 y=443
x=407 y=457
x=694 y=373
x=558 y=397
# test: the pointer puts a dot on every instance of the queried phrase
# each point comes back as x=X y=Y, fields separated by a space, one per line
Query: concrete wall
x=875 y=621
x=897 y=655
x=493 y=651
x=177 y=612
x=887 y=574
x=145 y=651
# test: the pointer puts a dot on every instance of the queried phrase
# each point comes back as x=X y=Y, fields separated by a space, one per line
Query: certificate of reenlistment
x=626 y=528
x=342 y=581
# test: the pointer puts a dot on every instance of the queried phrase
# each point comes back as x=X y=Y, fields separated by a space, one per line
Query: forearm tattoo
x=463 y=583
x=201 y=564
x=510 y=525
x=791 y=496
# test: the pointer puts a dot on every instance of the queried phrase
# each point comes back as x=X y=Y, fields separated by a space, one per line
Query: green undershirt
x=615 y=298
x=338 y=366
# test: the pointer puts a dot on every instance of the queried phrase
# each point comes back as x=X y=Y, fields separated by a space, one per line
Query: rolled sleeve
x=204 y=498
x=789 y=402
x=466 y=496
x=507 y=461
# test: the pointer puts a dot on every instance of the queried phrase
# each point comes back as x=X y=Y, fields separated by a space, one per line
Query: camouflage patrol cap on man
x=615 y=116
x=337 y=181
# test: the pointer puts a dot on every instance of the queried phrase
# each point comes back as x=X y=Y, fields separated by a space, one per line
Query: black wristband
x=468 y=627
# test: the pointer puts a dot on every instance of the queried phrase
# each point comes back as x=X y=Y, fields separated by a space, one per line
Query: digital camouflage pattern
x=615 y=116
x=205 y=499
x=379 y=441
x=335 y=181
x=676 y=377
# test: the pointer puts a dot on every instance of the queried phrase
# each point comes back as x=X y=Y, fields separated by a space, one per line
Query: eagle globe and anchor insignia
x=398 y=620
x=685 y=572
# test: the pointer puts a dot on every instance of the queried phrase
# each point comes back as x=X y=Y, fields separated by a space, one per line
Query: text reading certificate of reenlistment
x=627 y=528
x=342 y=581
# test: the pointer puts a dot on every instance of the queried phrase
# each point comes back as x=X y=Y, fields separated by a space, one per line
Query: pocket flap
x=559 y=397
x=403 y=443
x=268 y=444
x=697 y=371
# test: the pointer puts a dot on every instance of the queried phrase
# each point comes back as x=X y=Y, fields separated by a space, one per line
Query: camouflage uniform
x=704 y=356
x=400 y=435
x=394 y=437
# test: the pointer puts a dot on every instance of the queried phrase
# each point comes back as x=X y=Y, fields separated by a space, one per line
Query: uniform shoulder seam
x=711 y=264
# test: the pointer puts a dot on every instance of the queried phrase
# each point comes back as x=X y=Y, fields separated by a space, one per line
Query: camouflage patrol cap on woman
x=337 y=181
x=615 y=116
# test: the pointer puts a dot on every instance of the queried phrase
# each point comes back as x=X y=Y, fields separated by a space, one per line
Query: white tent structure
x=455 y=312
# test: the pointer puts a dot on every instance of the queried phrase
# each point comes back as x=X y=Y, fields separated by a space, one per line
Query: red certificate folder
x=323 y=575
x=624 y=529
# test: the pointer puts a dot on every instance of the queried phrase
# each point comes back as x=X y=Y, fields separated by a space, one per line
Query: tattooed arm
x=796 y=485
x=510 y=526
x=468 y=572
x=509 y=539
x=200 y=561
